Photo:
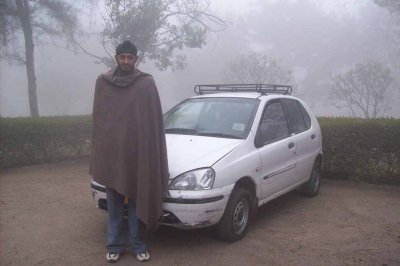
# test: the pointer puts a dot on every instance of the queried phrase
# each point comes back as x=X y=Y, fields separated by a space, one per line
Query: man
x=129 y=154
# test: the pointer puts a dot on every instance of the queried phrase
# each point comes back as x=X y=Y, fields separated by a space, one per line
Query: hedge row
x=354 y=149
x=26 y=141
x=361 y=150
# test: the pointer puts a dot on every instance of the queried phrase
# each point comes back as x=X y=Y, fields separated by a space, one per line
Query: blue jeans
x=119 y=228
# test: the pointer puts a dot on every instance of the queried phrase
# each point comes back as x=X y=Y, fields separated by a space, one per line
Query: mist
x=315 y=39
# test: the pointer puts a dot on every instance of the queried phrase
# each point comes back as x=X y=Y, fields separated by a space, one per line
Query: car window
x=294 y=115
x=184 y=115
x=306 y=117
x=219 y=117
x=273 y=124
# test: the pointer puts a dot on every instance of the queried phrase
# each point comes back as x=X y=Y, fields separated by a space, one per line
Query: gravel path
x=47 y=217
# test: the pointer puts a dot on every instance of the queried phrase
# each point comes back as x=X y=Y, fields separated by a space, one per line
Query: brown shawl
x=129 y=151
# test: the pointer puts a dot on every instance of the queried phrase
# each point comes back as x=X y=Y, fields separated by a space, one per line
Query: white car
x=233 y=148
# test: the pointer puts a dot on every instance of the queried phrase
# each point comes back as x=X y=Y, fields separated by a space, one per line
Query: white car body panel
x=278 y=167
x=243 y=161
x=187 y=152
x=199 y=215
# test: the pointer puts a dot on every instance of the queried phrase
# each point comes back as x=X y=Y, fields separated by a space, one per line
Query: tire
x=311 y=188
x=234 y=223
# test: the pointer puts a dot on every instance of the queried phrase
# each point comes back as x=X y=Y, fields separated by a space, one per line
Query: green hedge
x=354 y=149
x=361 y=150
x=26 y=141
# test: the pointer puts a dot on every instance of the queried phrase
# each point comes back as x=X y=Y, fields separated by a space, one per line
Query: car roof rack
x=259 y=88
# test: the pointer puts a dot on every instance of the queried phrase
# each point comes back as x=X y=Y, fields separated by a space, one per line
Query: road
x=47 y=217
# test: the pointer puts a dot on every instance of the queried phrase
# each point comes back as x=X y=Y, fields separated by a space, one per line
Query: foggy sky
x=313 y=38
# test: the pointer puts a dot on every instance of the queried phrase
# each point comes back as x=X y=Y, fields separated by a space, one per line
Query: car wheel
x=311 y=188
x=234 y=223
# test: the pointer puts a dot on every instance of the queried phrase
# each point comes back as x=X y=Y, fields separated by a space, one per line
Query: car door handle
x=313 y=136
x=291 y=145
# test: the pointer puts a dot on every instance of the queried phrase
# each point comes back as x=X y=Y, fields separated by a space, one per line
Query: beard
x=126 y=67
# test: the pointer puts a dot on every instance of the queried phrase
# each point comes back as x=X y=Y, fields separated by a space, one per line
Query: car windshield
x=215 y=117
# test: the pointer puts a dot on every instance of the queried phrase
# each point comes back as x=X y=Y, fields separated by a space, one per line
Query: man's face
x=126 y=61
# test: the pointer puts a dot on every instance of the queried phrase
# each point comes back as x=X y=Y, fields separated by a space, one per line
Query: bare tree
x=160 y=28
x=362 y=89
x=254 y=67
x=392 y=5
x=32 y=21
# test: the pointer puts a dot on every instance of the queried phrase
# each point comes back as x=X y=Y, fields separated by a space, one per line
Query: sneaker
x=112 y=257
x=144 y=256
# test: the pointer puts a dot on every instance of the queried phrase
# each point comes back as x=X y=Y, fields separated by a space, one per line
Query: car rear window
x=294 y=115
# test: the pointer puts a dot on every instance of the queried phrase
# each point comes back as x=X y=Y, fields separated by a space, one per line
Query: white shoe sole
x=143 y=258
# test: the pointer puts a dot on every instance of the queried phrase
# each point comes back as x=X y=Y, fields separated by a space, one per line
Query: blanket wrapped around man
x=129 y=151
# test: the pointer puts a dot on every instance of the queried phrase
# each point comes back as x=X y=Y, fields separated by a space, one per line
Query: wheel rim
x=240 y=216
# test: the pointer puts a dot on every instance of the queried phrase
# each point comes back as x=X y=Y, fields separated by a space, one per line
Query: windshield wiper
x=189 y=131
x=218 y=134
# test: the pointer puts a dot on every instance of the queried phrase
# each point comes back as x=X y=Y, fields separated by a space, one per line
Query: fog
x=315 y=39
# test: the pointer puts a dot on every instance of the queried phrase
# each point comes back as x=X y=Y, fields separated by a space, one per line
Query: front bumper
x=183 y=209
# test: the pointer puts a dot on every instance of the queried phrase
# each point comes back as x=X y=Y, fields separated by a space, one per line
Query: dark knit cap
x=126 y=48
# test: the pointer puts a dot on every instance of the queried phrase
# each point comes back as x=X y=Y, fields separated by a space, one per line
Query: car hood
x=188 y=152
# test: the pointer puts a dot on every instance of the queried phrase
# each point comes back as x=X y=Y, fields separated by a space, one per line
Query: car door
x=276 y=149
x=303 y=137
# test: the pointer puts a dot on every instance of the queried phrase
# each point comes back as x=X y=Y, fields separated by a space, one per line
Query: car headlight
x=194 y=180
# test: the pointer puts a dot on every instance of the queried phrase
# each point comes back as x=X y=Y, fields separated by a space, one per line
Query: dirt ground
x=47 y=217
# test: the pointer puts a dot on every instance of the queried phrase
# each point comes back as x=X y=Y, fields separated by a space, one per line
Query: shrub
x=361 y=150
x=354 y=149
x=26 y=141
